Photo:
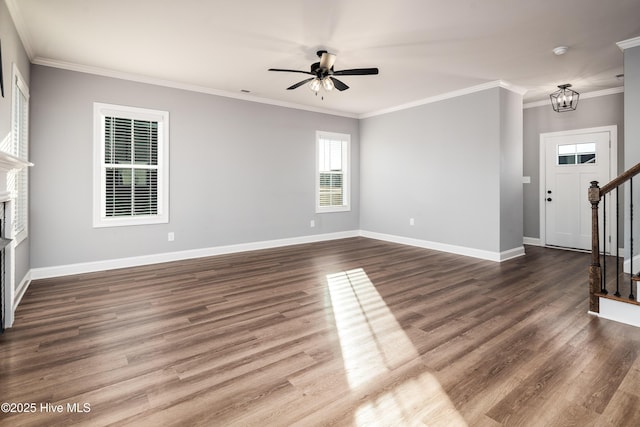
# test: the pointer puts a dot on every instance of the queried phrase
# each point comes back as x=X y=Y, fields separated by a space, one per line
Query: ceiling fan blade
x=338 y=84
x=356 y=72
x=297 y=85
x=326 y=60
x=290 y=71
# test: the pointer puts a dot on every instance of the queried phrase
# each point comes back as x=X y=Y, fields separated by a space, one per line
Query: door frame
x=613 y=171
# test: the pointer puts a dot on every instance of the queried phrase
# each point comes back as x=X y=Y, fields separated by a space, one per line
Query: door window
x=577 y=154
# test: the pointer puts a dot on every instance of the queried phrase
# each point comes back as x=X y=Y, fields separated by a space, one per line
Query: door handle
x=548 y=199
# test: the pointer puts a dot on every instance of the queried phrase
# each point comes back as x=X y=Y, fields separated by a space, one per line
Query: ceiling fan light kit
x=314 y=85
x=324 y=73
x=564 y=99
x=327 y=84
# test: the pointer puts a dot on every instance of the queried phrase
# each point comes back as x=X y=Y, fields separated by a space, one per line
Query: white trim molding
x=20 y=291
x=444 y=247
x=104 y=72
x=619 y=312
x=21 y=28
x=448 y=95
x=533 y=241
x=626 y=267
x=10 y=162
x=111 y=264
x=12 y=295
x=629 y=43
x=583 y=96
x=101 y=164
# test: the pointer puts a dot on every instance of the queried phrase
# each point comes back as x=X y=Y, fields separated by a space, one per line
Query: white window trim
x=346 y=168
x=18 y=82
x=100 y=111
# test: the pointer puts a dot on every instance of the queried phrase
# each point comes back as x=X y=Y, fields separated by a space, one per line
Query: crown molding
x=245 y=97
x=183 y=86
x=629 y=43
x=520 y=90
x=586 y=95
x=21 y=27
x=453 y=94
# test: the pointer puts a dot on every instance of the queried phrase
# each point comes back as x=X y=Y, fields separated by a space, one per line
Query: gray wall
x=632 y=105
x=632 y=133
x=240 y=188
x=12 y=52
x=239 y=171
x=591 y=112
x=441 y=164
x=510 y=153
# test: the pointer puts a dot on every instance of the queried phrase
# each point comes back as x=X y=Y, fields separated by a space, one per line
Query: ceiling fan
x=323 y=74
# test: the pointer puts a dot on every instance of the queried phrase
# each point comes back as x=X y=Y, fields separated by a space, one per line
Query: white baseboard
x=22 y=288
x=444 y=247
x=90 y=267
x=20 y=291
x=636 y=265
x=533 y=241
x=619 y=312
x=511 y=254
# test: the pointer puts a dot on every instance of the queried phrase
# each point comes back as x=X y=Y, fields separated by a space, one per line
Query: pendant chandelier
x=564 y=99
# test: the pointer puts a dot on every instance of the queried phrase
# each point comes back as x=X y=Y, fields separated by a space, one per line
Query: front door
x=572 y=161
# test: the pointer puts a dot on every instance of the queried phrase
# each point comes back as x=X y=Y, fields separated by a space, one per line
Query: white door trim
x=613 y=169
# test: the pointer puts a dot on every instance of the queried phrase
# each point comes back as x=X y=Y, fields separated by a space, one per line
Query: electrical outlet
x=171 y=237
x=312 y=223
x=412 y=221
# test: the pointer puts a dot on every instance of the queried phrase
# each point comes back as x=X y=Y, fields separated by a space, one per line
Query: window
x=18 y=181
x=130 y=166
x=332 y=173
x=577 y=154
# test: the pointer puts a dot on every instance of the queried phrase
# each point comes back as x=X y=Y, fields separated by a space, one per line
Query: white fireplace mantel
x=9 y=163
x=11 y=297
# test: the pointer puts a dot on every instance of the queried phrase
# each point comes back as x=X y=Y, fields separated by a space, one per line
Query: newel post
x=594 y=269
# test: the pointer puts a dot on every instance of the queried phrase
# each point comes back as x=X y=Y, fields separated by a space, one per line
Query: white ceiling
x=423 y=48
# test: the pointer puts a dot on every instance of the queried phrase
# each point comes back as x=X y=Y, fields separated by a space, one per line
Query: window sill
x=333 y=209
x=125 y=222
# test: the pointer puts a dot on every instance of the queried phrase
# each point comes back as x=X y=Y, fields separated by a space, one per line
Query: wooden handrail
x=635 y=170
x=595 y=194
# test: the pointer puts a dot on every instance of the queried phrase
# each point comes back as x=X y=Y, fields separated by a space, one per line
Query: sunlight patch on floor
x=373 y=344
x=420 y=401
x=371 y=340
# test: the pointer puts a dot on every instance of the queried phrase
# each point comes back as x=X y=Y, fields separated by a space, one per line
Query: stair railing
x=597 y=271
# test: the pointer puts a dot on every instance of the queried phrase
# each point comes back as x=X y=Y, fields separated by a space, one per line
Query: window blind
x=332 y=172
x=131 y=167
x=19 y=180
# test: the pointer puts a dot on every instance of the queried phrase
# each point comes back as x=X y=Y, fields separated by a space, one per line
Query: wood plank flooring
x=353 y=332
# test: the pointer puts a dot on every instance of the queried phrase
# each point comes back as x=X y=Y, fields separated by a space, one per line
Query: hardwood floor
x=355 y=332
